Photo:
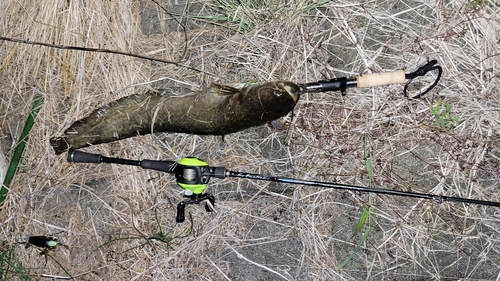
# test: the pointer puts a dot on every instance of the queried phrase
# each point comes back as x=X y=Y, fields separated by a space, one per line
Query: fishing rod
x=216 y=110
x=376 y=79
x=193 y=175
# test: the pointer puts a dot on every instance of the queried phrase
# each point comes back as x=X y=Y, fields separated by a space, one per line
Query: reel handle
x=181 y=207
x=194 y=199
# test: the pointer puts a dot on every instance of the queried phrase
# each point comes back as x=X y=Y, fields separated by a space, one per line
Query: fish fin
x=60 y=144
x=276 y=125
x=223 y=90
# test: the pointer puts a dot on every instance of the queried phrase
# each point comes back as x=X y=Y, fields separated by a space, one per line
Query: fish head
x=284 y=88
x=273 y=100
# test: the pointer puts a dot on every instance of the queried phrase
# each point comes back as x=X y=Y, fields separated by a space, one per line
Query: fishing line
x=99 y=50
x=336 y=84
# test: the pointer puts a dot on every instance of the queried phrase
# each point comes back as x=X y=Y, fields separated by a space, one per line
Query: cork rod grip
x=379 y=79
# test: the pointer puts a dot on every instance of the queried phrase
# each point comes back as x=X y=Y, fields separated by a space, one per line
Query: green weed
x=18 y=152
x=10 y=267
x=479 y=4
x=243 y=16
x=364 y=219
x=160 y=236
x=442 y=115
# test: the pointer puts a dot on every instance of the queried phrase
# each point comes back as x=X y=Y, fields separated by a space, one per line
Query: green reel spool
x=191 y=175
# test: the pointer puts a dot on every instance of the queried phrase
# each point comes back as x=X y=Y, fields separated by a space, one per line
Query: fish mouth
x=292 y=90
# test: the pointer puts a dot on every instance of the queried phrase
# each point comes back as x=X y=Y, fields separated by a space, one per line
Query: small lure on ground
x=217 y=110
x=43 y=243
x=47 y=242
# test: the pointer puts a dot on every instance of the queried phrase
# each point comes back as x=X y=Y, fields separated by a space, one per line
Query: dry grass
x=410 y=239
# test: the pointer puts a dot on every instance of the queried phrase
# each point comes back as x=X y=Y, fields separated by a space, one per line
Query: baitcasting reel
x=191 y=174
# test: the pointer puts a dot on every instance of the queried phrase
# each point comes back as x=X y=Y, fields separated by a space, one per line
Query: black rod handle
x=162 y=166
x=83 y=157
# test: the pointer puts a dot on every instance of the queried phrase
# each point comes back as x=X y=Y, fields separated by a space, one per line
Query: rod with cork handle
x=374 y=80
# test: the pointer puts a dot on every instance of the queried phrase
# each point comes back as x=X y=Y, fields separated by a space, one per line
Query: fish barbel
x=217 y=110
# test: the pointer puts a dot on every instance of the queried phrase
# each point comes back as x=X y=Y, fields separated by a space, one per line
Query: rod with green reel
x=193 y=175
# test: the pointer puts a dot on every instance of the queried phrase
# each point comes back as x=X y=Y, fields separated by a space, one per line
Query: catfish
x=217 y=110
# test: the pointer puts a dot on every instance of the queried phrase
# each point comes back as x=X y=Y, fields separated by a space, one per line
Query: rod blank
x=436 y=198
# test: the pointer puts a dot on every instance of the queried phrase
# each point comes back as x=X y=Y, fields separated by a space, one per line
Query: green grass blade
x=363 y=239
x=310 y=6
x=365 y=215
x=362 y=219
x=368 y=159
x=18 y=152
x=369 y=169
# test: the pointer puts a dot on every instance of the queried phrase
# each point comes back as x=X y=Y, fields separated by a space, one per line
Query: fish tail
x=60 y=144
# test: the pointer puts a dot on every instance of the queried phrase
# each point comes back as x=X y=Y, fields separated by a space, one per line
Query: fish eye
x=278 y=92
